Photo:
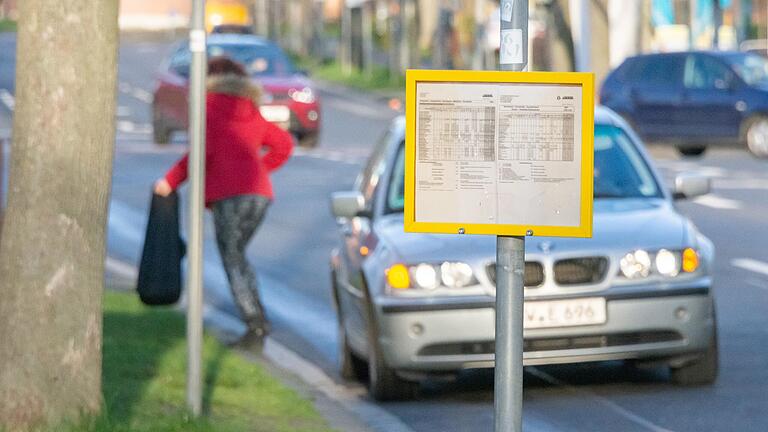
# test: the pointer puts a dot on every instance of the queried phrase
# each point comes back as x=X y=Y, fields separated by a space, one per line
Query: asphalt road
x=291 y=254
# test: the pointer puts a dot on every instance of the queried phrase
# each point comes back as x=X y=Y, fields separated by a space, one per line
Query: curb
x=345 y=408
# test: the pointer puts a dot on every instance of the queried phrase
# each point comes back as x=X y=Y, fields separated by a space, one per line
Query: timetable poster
x=498 y=153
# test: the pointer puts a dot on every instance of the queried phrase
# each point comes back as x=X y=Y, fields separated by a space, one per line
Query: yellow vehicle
x=226 y=12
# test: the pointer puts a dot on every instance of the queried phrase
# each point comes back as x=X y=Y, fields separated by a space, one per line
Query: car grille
x=553 y=344
x=533 y=275
x=580 y=271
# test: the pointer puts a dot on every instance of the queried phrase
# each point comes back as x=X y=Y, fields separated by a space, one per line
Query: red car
x=290 y=99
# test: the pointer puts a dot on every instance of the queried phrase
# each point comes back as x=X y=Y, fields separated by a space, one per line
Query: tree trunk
x=52 y=250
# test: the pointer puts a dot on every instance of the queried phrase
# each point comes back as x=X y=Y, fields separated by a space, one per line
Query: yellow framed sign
x=504 y=153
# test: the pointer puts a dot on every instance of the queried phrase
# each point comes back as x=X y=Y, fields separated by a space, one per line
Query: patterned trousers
x=236 y=220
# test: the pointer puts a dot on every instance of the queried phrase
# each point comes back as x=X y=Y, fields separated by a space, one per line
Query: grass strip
x=144 y=371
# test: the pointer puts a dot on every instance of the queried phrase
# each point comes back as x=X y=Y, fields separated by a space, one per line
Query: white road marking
x=360 y=109
x=142 y=95
x=751 y=265
x=7 y=99
x=757 y=283
x=126 y=126
x=718 y=202
x=742 y=184
x=613 y=406
x=138 y=93
x=121 y=269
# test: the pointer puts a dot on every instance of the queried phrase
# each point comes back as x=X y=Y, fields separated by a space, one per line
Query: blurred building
x=8 y=9
x=154 y=14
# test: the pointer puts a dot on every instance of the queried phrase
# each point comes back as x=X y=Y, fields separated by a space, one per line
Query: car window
x=620 y=170
x=706 y=73
x=751 y=68
x=657 y=70
x=374 y=168
x=257 y=59
x=180 y=61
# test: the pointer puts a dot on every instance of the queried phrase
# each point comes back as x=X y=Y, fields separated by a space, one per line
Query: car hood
x=624 y=224
x=281 y=84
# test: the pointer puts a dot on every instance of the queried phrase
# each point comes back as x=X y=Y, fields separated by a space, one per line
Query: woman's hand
x=162 y=188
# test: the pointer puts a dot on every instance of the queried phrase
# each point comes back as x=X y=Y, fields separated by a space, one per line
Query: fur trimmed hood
x=235 y=85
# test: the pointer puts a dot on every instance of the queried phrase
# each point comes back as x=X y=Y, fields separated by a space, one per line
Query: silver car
x=410 y=305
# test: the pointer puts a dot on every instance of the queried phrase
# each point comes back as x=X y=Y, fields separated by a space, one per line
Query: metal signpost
x=510 y=256
x=501 y=153
x=197 y=46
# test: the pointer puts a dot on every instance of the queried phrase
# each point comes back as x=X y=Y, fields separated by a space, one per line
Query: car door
x=656 y=93
x=712 y=104
x=176 y=82
x=357 y=241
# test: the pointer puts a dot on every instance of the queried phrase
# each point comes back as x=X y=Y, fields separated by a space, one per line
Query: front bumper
x=447 y=337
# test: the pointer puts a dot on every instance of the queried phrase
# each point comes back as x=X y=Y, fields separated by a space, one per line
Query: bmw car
x=413 y=305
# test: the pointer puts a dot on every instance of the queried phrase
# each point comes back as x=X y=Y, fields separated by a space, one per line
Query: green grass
x=7 y=25
x=144 y=380
x=378 y=79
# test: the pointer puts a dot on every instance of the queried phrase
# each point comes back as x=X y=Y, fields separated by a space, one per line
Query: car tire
x=383 y=382
x=692 y=151
x=161 y=133
x=702 y=371
x=756 y=136
x=351 y=367
x=309 y=139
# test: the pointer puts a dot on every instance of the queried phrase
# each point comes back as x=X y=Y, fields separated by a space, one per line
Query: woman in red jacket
x=242 y=149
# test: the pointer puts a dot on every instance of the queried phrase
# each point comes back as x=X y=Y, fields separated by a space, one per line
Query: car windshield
x=259 y=60
x=751 y=68
x=620 y=170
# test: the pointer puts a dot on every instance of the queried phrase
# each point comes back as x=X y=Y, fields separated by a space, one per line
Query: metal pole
x=581 y=33
x=510 y=255
x=197 y=46
x=366 y=12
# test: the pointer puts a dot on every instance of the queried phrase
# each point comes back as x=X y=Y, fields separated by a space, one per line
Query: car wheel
x=703 y=370
x=757 y=137
x=383 y=382
x=351 y=367
x=161 y=133
x=692 y=151
x=309 y=140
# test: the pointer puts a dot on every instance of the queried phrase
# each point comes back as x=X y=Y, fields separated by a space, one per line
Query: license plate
x=564 y=313
x=275 y=113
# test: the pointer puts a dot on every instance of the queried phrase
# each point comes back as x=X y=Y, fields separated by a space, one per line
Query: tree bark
x=53 y=245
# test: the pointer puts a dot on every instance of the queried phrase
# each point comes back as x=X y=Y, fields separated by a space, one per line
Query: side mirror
x=691 y=185
x=347 y=204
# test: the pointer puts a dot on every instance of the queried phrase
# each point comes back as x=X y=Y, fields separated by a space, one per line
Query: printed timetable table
x=451 y=133
x=536 y=133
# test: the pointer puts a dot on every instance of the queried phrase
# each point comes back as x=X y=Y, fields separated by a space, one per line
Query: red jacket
x=236 y=160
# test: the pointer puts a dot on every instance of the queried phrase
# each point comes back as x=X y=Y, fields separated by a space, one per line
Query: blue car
x=694 y=99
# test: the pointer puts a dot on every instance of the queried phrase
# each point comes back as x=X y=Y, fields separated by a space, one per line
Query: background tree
x=52 y=249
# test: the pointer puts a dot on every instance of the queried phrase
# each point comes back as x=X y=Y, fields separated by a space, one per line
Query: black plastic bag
x=159 y=281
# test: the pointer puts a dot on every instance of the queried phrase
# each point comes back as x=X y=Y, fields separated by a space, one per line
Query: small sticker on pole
x=197 y=41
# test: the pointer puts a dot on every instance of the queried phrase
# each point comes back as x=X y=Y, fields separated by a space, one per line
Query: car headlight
x=666 y=263
x=305 y=95
x=430 y=277
x=636 y=264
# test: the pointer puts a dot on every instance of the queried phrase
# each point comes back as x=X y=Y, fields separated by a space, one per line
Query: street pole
x=197 y=46
x=582 y=43
x=510 y=255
